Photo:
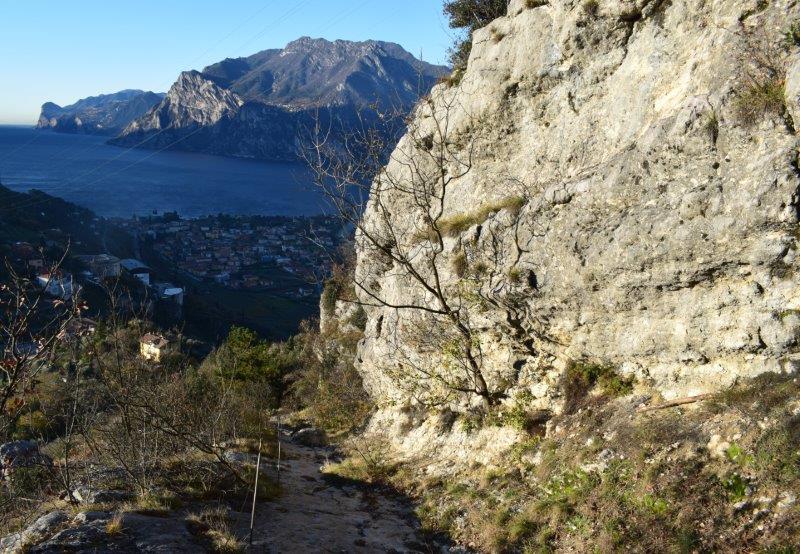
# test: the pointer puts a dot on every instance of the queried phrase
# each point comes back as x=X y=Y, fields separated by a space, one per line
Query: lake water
x=116 y=182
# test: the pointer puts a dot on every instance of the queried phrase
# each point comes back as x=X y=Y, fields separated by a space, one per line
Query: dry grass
x=657 y=489
x=453 y=79
x=114 y=526
x=591 y=7
x=760 y=100
x=214 y=525
x=368 y=461
x=457 y=224
x=460 y=265
x=154 y=504
x=497 y=35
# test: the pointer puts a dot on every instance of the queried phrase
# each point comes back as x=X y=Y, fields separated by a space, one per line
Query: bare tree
x=142 y=414
x=400 y=217
x=33 y=316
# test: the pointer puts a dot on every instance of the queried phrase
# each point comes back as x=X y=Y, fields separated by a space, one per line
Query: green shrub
x=591 y=7
x=654 y=505
x=736 y=487
x=453 y=79
x=327 y=384
x=580 y=378
x=359 y=318
x=735 y=454
x=793 y=34
x=470 y=422
x=31 y=482
x=338 y=287
x=249 y=360
x=470 y=15
x=330 y=294
x=33 y=425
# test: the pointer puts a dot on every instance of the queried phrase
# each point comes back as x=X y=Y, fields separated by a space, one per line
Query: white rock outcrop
x=659 y=231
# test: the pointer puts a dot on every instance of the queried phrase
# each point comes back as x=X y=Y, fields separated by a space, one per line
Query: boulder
x=158 y=534
x=41 y=529
x=18 y=454
x=91 y=515
x=310 y=436
x=88 y=495
x=87 y=538
x=235 y=457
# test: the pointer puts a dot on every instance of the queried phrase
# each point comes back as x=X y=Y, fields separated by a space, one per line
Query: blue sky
x=52 y=50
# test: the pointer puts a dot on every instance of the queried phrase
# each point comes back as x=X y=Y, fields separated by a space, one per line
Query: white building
x=169 y=292
x=152 y=347
x=137 y=269
x=102 y=265
x=61 y=287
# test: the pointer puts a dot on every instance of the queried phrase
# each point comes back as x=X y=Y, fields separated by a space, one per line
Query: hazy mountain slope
x=258 y=106
x=317 y=72
x=106 y=114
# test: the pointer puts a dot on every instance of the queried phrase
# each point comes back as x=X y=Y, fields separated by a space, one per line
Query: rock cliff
x=106 y=114
x=258 y=106
x=619 y=190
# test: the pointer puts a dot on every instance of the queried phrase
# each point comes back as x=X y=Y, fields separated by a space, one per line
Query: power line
x=273 y=23
x=90 y=183
x=19 y=148
x=343 y=16
x=230 y=34
x=220 y=41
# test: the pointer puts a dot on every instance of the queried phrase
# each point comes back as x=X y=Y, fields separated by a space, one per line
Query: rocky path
x=316 y=513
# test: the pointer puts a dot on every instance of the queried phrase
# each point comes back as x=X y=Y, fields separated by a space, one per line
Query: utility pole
x=255 y=494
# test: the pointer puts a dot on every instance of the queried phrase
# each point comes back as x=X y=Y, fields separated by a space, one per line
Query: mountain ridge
x=103 y=114
x=256 y=106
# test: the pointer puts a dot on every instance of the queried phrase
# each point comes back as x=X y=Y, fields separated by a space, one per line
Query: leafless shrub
x=405 y=231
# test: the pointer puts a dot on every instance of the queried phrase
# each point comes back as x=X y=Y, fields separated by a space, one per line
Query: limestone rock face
x=192 y=101
x=106 y=114
x=658 y=227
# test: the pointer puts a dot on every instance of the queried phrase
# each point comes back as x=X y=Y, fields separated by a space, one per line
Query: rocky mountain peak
x=286 y=86
x=104 y=114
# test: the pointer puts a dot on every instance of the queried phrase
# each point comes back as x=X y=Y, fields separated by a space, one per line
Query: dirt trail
x=318 y=514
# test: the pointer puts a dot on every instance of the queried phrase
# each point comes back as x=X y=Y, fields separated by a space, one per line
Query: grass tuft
x=114 y=526
x=214 y=524
x=591 y=7
x=761 y=100
x=580 y=378
x=457 y=224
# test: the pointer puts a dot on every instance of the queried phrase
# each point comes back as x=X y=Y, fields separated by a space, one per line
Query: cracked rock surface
x=659 y=231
